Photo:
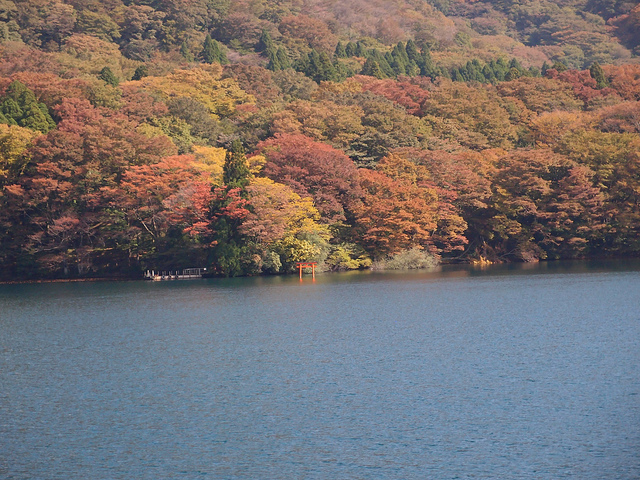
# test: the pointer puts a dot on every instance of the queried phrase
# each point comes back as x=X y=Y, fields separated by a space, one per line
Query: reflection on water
x=511 y=371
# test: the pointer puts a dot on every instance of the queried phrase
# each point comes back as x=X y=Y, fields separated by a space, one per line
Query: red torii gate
x=311 y=265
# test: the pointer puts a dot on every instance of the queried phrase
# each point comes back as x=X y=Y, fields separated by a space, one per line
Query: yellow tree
x=204 y=84
x=283 y=225
x=14 y=142
x=472 y=116
x=211 y=161
x=549 y=129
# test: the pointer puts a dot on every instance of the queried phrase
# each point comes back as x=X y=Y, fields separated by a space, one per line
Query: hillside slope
x=245 y=136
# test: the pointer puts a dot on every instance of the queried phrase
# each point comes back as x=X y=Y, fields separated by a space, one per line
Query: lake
x=515 y=372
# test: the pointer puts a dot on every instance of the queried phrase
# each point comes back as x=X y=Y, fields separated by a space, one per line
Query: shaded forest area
x=245 y=136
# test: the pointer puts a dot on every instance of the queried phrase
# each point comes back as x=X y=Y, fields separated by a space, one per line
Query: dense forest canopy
x=247 y=135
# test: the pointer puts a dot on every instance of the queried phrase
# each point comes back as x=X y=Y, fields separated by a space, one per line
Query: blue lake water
x=515 y=372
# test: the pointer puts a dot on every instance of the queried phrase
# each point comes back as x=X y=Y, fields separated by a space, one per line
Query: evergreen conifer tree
x=208 y=54
x=20 y=107
x=343 y=71
x=372 y=69
x=560 y=67
x=283 y=58
x=545 y=67
x=34 y=119
x=474 y=71
x=11 y=110
x=318 y=67
x=326 y=67
x=313 y=69
x=45 y=111
x=382 y=62
x=468 y=72
x=351 y=49
x=399 y=60
x=185 y=52
x=427 y=67
x=222 y=55
x=512 y=74
x=488 y=74
x=212 y=51
x=107 y=76
x=265 y=42
x=514 y=63
x=340 y=52
x=400 y=51
x=500 y=68
x=397 y=67
x=140 y=73
x=230 y=251
x=598 y=75
x=235 y=172
x=412 y=52
x=274 y=62
x=388 y=57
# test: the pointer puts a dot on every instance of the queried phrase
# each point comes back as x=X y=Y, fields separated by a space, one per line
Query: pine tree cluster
x=19 y=106
x=213 y=51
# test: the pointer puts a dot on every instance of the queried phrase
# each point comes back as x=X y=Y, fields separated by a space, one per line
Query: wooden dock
x=185 y=274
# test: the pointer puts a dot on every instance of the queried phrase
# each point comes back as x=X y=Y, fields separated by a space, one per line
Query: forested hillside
x=247 y=135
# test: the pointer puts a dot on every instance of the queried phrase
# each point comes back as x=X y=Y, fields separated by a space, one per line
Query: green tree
x=185 y=52
x=427 y=67
x=278 y=59
x=500 y=68
x=232 y=251
x=340 y=51
x=230 y=255
x=283 y=58
x=398 y=59
x=212 y=52
x=107 y=76
x=140 y=73
x=235 y=173
x=35 y=119
x=560 y=67
x=274 y=63
x=209 y=52
x=598 y=75
x=488 y=74
x=351 y=49
x=412 y=52
x=343 y=70
x=512 y=74
x=11 y=111
x=265 y=43
x=318 y=67
x=378 y=57
x=20 y=107
x=372 y=69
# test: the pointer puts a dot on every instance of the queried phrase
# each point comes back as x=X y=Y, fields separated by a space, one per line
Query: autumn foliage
x=245 y=136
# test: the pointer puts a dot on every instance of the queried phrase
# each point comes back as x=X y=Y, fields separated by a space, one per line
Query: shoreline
x=68 y=280
x=472 y=264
